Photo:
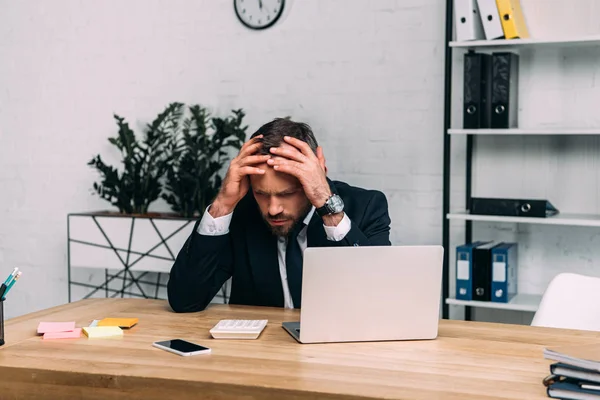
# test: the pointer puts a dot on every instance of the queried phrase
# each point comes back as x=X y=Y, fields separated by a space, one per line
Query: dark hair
x=274 y=131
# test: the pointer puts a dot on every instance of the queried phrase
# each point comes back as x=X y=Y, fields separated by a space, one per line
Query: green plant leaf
x=143 y=163
x=200 y=154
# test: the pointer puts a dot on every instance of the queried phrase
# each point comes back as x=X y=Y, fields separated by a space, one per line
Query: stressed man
x=275 y=201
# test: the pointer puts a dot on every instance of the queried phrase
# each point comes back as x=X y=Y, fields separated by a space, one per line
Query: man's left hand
x=309 y=168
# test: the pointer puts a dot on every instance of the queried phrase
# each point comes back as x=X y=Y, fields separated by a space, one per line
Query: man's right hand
x=236 y=183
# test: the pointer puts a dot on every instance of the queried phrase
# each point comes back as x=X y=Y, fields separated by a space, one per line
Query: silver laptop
x=370 y=293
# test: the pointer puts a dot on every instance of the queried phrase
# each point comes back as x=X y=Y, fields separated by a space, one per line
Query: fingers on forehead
x=287 y=146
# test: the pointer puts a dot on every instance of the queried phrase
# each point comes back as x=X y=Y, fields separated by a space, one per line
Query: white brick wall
x=347 y=68
x=367 y=75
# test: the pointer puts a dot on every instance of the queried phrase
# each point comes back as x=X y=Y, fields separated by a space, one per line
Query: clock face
x=258 y=14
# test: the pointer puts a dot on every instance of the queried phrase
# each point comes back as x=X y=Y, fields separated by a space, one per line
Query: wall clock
x=258 y=14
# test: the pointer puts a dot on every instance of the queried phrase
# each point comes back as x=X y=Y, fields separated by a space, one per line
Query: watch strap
x=328 y=208
x=324 y=209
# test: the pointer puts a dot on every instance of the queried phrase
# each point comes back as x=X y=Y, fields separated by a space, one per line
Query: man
x=275 y=201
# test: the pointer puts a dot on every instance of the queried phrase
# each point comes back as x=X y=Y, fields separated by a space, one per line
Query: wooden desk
x=469 y=360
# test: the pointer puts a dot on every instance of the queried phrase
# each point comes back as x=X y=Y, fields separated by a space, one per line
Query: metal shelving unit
x=522 y=302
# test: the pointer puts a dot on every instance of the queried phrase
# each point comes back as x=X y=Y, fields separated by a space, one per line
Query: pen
x=11 y=276
x=11 y=285
x=7 y=282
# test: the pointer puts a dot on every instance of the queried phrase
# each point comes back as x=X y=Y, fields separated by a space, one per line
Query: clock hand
x=260 y=4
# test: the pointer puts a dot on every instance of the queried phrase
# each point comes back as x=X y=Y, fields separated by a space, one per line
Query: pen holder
x=1 y=322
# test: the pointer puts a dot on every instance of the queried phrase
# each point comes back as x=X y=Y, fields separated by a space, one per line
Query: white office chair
x=571 y=301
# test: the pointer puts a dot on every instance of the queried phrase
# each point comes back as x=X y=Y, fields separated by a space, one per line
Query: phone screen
x=182 y=345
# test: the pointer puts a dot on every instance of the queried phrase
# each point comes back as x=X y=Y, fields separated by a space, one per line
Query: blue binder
x=504 y=272
x=464 y=270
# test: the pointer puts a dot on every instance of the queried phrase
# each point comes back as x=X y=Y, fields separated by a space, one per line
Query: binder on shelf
x=464 y=267
x=534 y=208
x=504 y=272
x=467 y=21
x=482 y=271
x=477 y=89
x=490 y=19
x=505 y=83
x=512 y=19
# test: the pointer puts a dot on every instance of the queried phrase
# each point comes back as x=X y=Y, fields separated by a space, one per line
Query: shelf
x=541 y=131
x=557 y=42
x=559 y=219
x=521 y=302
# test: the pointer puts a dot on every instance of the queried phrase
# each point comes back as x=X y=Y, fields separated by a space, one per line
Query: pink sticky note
x=74 y=334
x=45 y=327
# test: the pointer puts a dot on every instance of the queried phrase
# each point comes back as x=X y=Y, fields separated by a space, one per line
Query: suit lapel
x=264 y=263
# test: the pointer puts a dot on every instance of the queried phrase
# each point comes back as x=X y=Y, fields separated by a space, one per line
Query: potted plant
x=179 y=159
x=198 y=156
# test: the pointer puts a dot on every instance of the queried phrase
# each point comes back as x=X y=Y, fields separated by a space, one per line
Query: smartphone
x=181 y=347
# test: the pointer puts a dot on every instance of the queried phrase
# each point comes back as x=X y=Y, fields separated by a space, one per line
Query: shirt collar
x=306 y=221
x=309 y=216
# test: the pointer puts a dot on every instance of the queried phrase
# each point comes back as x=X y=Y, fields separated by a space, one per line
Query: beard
x=285 y=230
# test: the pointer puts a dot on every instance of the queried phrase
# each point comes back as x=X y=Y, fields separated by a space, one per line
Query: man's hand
x=236 y=183
x=301 y=162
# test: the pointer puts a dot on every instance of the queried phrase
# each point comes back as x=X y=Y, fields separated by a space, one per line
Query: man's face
x=281 y=199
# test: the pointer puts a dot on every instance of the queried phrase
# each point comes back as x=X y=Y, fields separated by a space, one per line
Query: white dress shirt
x=210 y=226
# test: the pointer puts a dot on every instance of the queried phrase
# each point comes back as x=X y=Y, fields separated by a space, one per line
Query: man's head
x=280 y=196
x=273 y=133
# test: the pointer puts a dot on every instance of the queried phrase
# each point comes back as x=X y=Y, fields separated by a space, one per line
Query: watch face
x=335 y=204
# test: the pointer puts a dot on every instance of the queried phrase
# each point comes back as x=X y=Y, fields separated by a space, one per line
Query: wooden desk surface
x=469 y=360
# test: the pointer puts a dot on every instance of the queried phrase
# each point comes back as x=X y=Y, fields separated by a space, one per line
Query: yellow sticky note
x=102 y=331
x=120 y=322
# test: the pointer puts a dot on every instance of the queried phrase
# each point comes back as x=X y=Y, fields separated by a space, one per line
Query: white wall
x=367 y=75
x=558 y=88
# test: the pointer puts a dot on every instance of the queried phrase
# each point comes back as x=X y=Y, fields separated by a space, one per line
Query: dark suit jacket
x=248 y=253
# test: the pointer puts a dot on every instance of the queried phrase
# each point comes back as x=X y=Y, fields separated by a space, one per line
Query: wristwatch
x=333 y=205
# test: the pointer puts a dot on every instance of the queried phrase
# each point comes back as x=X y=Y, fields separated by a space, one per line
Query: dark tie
x=293 y=265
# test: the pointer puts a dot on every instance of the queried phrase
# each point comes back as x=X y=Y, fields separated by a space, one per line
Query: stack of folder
x=576 y=372
x=486 y=271
x=490 y=90
x=489 y=20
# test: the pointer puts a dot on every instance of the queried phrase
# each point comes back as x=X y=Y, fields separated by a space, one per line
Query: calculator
x=238 y=328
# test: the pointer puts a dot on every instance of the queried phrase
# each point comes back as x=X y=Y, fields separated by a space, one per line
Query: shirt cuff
x=337 y=233
x=210 y=226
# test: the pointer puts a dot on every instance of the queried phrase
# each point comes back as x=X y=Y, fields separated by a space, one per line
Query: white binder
x=467 y=21
x=490 y=19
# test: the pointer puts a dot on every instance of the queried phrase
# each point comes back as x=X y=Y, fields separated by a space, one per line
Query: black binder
x=477 y=90
x=505 y=83
x=534 y=208
x=482 y=271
